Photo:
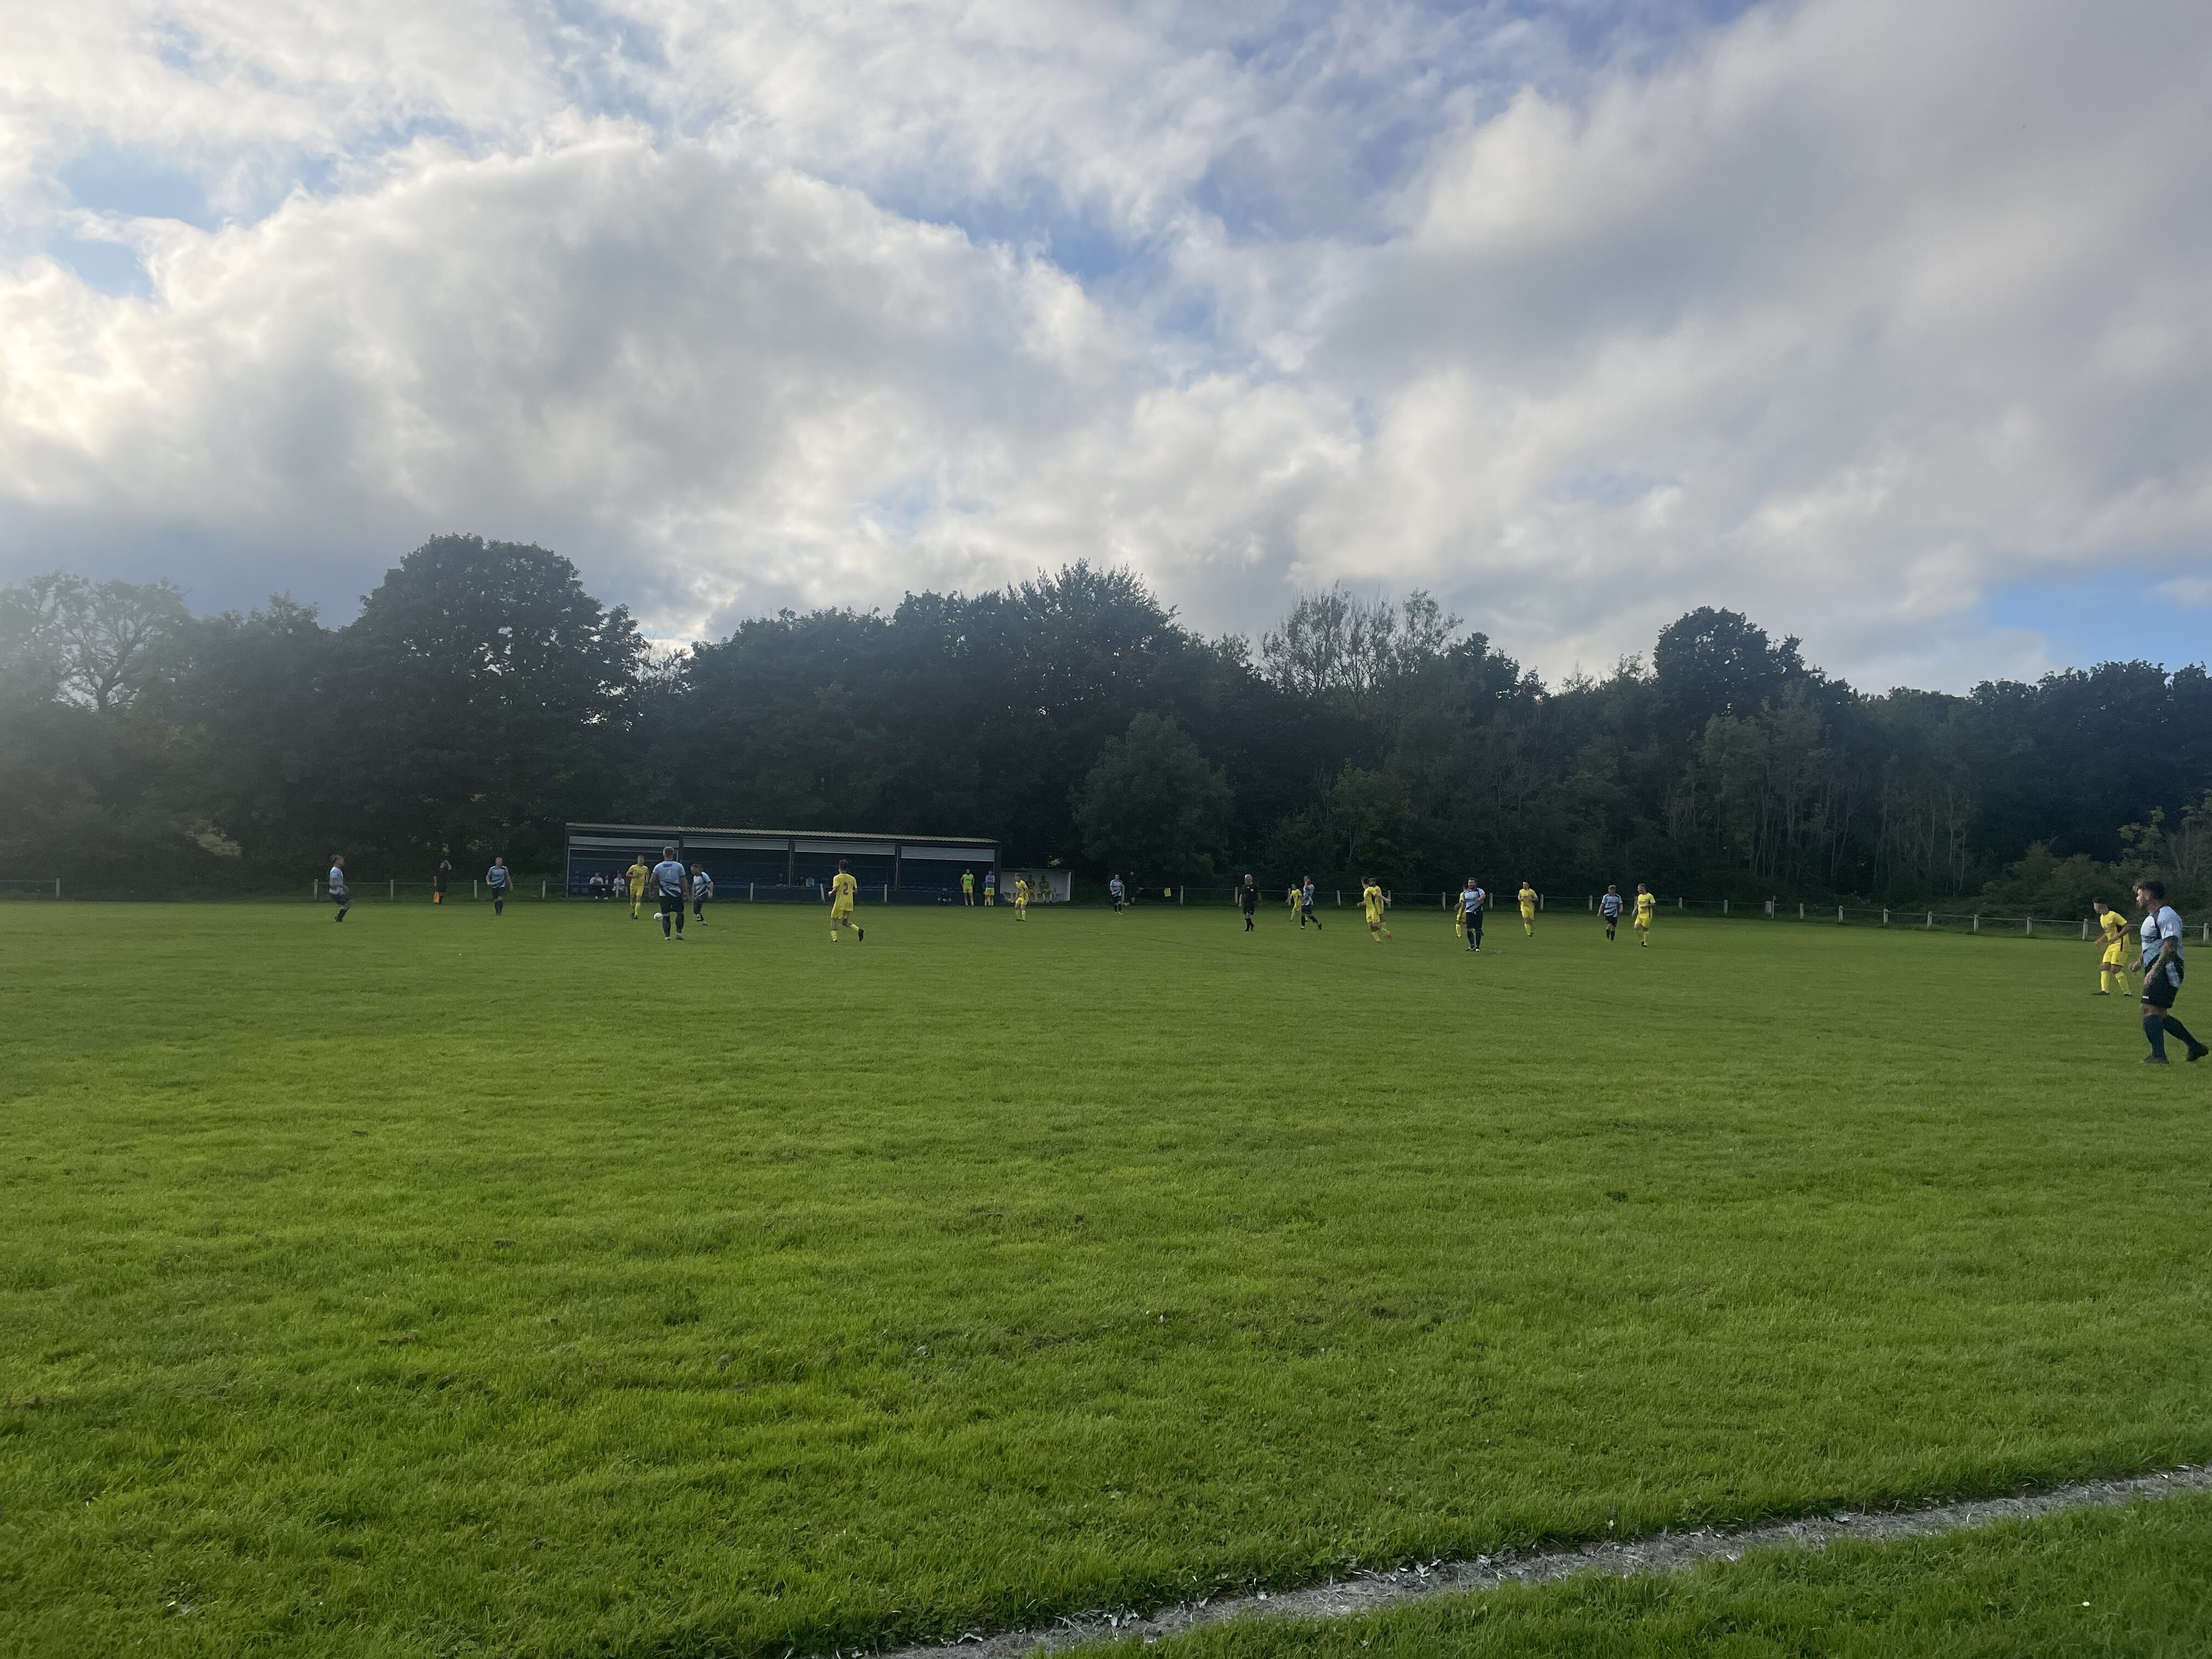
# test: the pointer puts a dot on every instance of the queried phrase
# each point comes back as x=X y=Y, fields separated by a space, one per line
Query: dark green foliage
x=1153 y=804
x=483 y=696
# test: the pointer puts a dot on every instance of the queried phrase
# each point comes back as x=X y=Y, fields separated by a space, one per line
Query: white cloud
x=1850 y=315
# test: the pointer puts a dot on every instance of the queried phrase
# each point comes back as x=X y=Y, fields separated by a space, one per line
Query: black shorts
x=1613 y=920
x=2162 y=984
x=671 y=904
x=341 y=897
x=1472 y=920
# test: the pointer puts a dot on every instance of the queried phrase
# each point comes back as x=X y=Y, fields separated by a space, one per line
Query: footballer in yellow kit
x=1371 y=897
x=2112 y=965
x=844 y=892
x=1528 y=897
x=1646 y=905
x=637 y=874
x=1021 y=898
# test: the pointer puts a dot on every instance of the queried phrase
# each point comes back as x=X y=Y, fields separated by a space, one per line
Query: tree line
x=482 y=698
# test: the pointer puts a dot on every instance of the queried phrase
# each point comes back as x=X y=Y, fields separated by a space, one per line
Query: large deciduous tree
x=1153 y=803
x=481 y=700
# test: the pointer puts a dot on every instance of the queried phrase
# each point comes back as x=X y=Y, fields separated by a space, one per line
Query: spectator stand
x=787 y=866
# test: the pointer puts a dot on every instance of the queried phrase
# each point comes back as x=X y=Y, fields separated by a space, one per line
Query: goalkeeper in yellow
x=844 y=893
x=1371 y=897
x=1645 y=906
x=2112 y=934
x=638 y=872
x=1528 y=897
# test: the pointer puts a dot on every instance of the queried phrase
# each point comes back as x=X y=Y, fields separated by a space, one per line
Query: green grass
x=2130 y=1581
x=441 y=1284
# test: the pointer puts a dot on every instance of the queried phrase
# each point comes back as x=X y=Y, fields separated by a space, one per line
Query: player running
x=1021 y=898
x=2161 y=973
x=496 y=879
x=1646 y=906
x=1291 y=898
x=1370 y=895
x=336 y=882
x=1248 y=900
x=669 y=879
x=702 y=888
x=2113 y=941
x=636 y=875
x=1306 y=905
x=844 y=893
x=1471 y=900
x=1609 y=909
x=1528 y=897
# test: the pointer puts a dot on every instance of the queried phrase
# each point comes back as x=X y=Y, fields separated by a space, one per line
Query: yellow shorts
x=841 y=913
x=2116 y=955
x=1527 y=913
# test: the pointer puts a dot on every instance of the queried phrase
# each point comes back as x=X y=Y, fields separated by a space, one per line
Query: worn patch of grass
x=2127 y=1581
x=441 y=1284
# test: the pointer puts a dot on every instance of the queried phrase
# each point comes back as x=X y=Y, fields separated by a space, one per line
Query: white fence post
x=1977 y=927
x=472 y=886
x=2085 y=930
x=1885 y=915
x=542 y=883
x=1723 y=907
x=1931 y=918
x=315 y=888
x=1840 y=915
x=2030 y=920
x=57 y=886
x=1801 y=910
x=392 y=887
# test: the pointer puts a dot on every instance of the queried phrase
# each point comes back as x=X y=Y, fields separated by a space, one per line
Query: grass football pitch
x=445 y=1285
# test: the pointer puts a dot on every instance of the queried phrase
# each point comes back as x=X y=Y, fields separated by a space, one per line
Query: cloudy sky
x=1887 y=321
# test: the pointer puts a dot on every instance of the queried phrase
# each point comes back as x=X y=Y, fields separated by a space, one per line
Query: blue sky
x=1879 y=321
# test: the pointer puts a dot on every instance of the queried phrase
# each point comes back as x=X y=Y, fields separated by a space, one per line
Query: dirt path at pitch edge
x=1663 y=1553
